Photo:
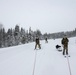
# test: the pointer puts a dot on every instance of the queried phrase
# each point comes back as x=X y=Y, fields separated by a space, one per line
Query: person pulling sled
x=46 y=41
x=37 y=43
x=64 y=42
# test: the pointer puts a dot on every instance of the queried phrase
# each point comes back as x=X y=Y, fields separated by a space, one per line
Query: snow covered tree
x=1 y=35
x=17 y=35
x=9 y=32
x=22 y=32
x=29 y=34
x=1 y=38
x=23 y=38
x=17 y=28
x=26 y=36
x=4 y=36
x=1 y=26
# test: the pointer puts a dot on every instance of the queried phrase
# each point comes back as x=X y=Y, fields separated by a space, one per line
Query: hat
x=65 y=36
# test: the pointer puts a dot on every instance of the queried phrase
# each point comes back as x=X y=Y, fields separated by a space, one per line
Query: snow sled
x=58 y=47
x=59 y=50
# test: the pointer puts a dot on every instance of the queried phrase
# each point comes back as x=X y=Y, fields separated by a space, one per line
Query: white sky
x=47 y=15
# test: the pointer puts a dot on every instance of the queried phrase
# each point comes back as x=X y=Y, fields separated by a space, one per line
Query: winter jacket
x=37 y=40
x=65 y=41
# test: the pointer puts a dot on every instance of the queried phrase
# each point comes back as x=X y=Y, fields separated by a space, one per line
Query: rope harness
x=69 y=66
x=34 y=63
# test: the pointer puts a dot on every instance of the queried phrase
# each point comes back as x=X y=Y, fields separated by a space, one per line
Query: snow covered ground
x=24 y=60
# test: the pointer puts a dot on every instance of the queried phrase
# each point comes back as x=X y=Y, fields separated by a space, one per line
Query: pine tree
x=4 y=36
x=1 y=35
x=17 y=35
x=1 y=38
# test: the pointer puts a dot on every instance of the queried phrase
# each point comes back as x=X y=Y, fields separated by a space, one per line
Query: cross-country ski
x=66 y=55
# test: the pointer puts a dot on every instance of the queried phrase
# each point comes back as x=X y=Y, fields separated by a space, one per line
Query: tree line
x=19 y=36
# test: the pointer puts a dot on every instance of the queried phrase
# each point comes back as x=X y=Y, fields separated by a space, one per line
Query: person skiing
x=46 y=40
x=64 y=42
x=37 y=43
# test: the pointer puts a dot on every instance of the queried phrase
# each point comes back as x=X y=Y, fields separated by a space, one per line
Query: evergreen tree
x=1 y=38
x=1 y=35
x=22 y=32
x=26 y=36
x=17 y=35
x=23 y=38
x=4 y=36
x=1 y=26
x=17 y=28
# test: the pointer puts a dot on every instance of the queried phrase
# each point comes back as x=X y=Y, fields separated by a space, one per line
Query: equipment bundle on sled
x=58 y=47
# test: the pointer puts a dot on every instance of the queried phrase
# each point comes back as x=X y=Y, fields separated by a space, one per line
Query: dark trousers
x=65 y=50
x=38 y=46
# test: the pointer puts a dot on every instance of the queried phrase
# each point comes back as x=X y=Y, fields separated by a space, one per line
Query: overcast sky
x=47 y=15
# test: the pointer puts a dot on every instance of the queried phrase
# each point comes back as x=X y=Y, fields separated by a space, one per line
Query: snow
x=24 y=60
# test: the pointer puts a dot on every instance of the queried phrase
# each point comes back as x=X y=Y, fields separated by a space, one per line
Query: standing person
x=37 y=43
x=64 y=42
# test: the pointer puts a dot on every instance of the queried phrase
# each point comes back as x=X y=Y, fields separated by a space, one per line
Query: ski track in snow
x=20 y=60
